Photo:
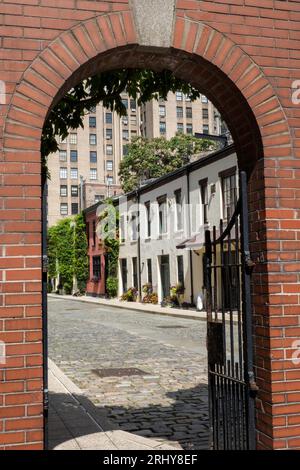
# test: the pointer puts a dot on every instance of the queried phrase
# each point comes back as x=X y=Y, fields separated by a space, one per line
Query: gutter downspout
x=190 y=230
x=139 y=249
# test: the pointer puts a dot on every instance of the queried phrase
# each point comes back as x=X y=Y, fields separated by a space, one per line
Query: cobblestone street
x=147 y=371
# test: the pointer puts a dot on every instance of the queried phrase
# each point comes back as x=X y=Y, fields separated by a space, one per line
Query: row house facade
x=163 y=223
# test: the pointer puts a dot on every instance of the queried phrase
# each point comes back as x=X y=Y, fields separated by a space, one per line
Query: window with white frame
x=179 y=209
x=63 y=155
x=109 y=165
x=93 y=173
x=109 y=149
x=74 y=173
x=93 y=139
x=64 y=208
x=179 y=96
x=93 y=156
x=73 y=139
x=64 y=191
x=74 y=191
x=63 y=173
x=162 y=214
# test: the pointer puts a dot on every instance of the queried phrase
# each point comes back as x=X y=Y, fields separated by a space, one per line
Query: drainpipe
x=190 y=231
x=139 y=249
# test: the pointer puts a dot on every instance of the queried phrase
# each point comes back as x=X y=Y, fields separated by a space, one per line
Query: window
x=229 y=193
x=162 y=110
x=122 y=228
x=97 y=267
x=179 y=96
x=205 y=129
x=204 y=99
x=92 y=121
x=179 y=210
x=179 y=127
x=204 y=201
x=125 y=102
x=109 y=149
x=123 y=263
x=93 y=110
x=133 y=120
x=109 y=180
x=64 y=191
x=179 y=112
x=62 y=140
x=134 y=273
x=205 y=113
x=94 y=233
x=74 y=173
x=63 y=173
x=149 y=271
x=189 y=128
x=64 y=208
x=189 y=113
x=148 y=219
x=74 y=208
x=93 y=173
x=93 y=156
x=134 y=228
x=93 y=139
x=63 y=155
x=125 y=134
x=133 y=105
x=162 y=127
x=125 y=121
x=73 y=139
x=108 y=133
x=99 y=197
x=162 y=214
x=109 y=165
x=125 y=150
x=74 y=191
x=180 y=270
x=108 y=118
x=73 y=156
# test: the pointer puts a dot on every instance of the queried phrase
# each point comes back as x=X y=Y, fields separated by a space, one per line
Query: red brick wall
x=245 y=58
x=95 y=249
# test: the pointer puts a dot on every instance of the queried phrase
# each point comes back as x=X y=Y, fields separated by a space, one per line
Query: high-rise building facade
x=85 y=169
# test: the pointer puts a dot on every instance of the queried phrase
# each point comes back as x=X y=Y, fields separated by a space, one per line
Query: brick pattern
x=244 y=54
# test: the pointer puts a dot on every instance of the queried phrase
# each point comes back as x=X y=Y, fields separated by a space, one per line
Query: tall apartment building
x=85 y=170
x=179 y=114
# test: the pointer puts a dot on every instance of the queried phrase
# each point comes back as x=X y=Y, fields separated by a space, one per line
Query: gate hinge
x=46 y=402
x=45 y=263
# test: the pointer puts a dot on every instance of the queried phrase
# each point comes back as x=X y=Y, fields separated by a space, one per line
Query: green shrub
x=112 y=287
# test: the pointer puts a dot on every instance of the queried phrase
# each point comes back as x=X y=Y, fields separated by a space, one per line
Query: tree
x=107 y=87
x=152 y=158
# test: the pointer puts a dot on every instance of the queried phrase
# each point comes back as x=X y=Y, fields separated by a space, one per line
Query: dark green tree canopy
x=107 y=87
x=152 y=158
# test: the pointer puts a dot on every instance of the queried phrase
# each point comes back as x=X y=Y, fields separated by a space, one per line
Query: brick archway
x=236 y=85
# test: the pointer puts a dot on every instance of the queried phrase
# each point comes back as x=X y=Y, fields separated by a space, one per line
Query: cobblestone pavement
x=168 y=401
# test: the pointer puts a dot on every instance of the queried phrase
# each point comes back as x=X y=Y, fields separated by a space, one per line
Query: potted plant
x=130 y=295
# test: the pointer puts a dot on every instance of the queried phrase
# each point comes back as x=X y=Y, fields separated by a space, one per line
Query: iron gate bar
x=229 y=339
x=45 y=309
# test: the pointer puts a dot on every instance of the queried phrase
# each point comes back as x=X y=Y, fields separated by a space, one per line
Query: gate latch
x=45 y=263
x=248 y=261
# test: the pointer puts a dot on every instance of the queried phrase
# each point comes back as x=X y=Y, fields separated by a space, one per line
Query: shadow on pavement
x=184 y=421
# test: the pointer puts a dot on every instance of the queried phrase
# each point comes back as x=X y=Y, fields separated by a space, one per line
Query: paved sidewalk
x=76 y=424
x=137 y=306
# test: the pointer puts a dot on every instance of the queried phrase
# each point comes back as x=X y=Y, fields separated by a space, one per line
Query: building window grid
x=64 y=191
x=73 y=156
x=93 y=173
x=229 y=195
x=93 y=156
x=63 y=173
x=74 y=173
x=63 y=208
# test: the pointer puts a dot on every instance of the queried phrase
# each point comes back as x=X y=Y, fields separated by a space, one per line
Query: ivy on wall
x=67 y=253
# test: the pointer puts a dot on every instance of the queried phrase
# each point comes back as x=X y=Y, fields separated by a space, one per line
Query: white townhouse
x=163 y=223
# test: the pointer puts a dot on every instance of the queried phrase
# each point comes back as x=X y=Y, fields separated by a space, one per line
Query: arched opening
x=243 y=126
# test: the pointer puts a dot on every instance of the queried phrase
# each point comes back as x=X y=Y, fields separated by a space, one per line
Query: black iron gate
x=232 y=387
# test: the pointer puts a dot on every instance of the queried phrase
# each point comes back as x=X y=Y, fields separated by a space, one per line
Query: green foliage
x=152 y=158
x=67 y=252
x=112 y=286
x=107 y=87
x=80 y=261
